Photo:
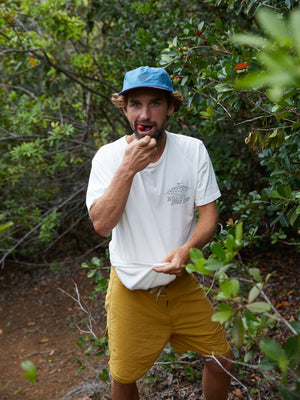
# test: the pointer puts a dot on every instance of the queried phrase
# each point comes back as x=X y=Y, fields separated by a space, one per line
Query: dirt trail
x=35 y=320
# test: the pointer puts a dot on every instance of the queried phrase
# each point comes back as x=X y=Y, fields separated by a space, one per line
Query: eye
x=134 y=105
x=155 y=103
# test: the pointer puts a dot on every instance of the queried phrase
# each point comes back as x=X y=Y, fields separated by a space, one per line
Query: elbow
x=101 y=229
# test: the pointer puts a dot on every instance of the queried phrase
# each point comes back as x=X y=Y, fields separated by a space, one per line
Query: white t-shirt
x=160 y=211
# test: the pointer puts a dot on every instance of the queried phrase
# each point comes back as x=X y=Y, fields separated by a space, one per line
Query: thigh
x=193 y=328
x=138 y=329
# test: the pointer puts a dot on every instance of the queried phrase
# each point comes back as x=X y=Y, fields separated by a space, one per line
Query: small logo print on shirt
x=178 y=194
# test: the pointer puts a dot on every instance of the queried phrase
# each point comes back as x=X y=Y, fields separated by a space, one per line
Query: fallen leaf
x=238 y=393
x=44 y=340
x=282 y=304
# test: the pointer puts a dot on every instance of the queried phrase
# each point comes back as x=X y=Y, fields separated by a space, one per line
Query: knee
x=222 y=364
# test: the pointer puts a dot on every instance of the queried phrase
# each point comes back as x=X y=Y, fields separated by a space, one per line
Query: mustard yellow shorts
x=141 y=322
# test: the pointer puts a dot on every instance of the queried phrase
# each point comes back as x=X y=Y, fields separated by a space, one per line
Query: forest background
x=237 y=64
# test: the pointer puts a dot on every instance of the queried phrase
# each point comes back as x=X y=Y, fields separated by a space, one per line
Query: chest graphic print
x=178 y=194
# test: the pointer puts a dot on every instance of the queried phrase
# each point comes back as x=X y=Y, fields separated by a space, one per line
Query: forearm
x=108 y=209
x=204 y=229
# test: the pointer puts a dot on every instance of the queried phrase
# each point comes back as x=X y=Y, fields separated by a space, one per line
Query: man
x=144 y=188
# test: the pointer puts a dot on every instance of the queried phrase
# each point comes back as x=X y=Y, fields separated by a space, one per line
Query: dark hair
x=120 y=101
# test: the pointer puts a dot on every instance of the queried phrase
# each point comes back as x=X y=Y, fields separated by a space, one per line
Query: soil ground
x=37 y=324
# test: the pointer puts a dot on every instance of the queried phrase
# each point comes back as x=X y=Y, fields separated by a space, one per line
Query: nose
x=145 y=113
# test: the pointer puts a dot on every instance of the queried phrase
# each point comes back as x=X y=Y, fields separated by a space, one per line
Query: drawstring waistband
x=159 y=290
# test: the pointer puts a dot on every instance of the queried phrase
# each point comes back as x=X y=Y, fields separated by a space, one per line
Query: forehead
x=146 y=94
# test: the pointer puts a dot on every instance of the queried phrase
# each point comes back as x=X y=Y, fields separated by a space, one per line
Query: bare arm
x=108 y=209
x=203 y=232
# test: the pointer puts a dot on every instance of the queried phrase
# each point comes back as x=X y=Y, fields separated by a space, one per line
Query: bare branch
x=85 y=309
x=20 y=88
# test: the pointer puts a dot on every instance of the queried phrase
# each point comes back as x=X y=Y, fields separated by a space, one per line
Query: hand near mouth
x=139 y=153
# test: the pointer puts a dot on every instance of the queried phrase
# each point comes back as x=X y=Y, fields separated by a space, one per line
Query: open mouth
x=144 y=128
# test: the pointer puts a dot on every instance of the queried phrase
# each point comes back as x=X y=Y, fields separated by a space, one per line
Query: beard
x=157 y=134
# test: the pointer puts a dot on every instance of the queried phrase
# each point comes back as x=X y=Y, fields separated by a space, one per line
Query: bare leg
x=124 y=391
x=216 y=381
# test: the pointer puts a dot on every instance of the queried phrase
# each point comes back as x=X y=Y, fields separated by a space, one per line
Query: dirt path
x=35 y=320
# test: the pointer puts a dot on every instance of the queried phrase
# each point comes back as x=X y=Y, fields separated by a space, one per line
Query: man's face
x=147 y=111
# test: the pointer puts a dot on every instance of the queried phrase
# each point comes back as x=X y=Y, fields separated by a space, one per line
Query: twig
x=85 y=309
x=278 y=314
x=231 y=376
x=221 y=105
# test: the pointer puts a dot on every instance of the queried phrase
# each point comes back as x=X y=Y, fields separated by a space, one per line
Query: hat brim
x=144 y=86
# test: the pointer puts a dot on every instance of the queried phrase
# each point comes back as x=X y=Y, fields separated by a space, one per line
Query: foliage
x=210 y=70
x=237 y=64
x=279 y=56
x=249 y=316
x=61 y=61
x=94 y=270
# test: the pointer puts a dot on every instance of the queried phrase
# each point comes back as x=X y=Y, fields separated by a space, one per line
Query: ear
x=170 y=110
x=125 y=111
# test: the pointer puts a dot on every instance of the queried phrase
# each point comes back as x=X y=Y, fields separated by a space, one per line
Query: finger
x=147 y=141
x=131 y=138
x=168 y=270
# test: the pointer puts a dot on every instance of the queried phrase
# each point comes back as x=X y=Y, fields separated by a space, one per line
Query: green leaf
x=222 y=316
x=273 y=350
x=230 y=242
x=295 y=29
x=104 y=376
x=255 y=272
x=212 y=264
x=224 y=307
x=218 y=251
x=238 y=331
x=30 y=371
x=239 y=231
x=259 y=307
x=292 y=347
x=5 y=226
x=288 y=393
x=250 y=40
x=296 y=325
x=274 y=25
x=91 y=273
x=195 y=254
x=230 y=287
x=254 y=292
x=97 y=261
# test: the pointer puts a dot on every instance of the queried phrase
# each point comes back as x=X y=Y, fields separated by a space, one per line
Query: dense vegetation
x=238 y=66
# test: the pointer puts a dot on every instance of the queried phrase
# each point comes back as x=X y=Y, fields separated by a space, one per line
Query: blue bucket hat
x=148 y=77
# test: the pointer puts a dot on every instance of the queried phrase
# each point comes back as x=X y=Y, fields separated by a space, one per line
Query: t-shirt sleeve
x=207 y=188
x=100 y=177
